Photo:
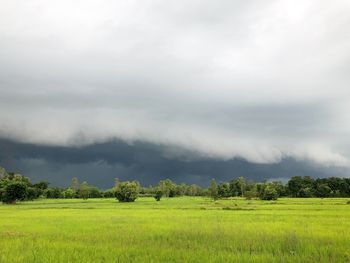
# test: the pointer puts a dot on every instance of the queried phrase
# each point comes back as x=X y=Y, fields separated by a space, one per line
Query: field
x=180 y=229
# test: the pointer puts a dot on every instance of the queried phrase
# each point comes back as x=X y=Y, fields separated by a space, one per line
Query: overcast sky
x=255 y=80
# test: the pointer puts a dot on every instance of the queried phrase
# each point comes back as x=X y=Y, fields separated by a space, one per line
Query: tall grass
x=176 y=230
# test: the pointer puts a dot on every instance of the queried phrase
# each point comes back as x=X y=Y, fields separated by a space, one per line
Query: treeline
x=297 y=186
x=15 y=187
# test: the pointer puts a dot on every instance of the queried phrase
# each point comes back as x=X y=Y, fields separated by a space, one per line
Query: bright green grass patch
x=176 y=230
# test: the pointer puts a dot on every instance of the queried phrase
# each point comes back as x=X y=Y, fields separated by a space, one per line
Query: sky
x=188 y=90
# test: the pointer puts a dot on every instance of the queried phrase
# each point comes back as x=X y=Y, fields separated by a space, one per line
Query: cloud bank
x=260 y=81
x=148 y=163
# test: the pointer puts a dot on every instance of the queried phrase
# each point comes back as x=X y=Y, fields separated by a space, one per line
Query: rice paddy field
x=184 y=229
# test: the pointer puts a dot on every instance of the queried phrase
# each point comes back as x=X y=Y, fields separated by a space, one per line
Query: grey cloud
x=261 y=81
x=99 y=164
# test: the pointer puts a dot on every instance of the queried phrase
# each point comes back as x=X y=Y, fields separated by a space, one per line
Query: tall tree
x=213 y=189
x=75 y=184
x=84 y=190
x=241 y=185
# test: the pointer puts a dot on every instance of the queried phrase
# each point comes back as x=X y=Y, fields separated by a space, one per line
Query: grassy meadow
x=183 y=229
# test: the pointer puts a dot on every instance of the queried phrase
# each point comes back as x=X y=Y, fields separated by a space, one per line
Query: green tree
x=53 y=193
x=127 y=191
x=168 y=187
x=33 y=193
x=158 y=194
x=68 y=193
x=84 y=190
x=94 y=192
x=224 y=190
x=14 y=187
x=14 y=191
x=241 y=185
x=237 y=186
x=213 y=189
x=297 y=186
x=267 y=191
x=323 y=190
x=109 y=193
x=75 y=184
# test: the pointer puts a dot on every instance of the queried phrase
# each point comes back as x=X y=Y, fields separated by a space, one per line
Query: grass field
x=176 y=230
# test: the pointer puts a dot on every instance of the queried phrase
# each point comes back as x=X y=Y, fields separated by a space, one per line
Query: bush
x=127 y=191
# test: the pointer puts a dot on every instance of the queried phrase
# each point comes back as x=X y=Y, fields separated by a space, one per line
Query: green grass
x=176 y=230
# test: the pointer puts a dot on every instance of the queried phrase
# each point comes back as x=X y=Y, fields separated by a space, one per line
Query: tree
x=267 y=191
x=297 y=186
x=109 y=193
x=280 y=188
x=84 y=190
x=213 y=190
x=127 y=191
x=224 y=190
x=39 y=188
x=158 y=194
x=14 y=187
x=53 y=193
x=14 y=191
x=168 y=187
x=33 y=193
x=251 y=190
x=251 y=193
x=323 y=190
x=237 y=186
x=193 y=190
x=75 y=184
x=241 y=185
x=68 y=193
x=94 y=192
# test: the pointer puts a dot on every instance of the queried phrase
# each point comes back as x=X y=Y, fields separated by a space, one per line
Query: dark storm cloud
x=99 y=164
